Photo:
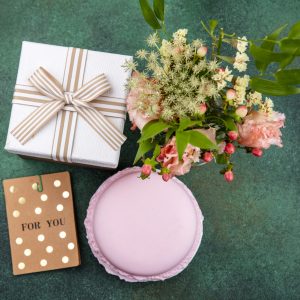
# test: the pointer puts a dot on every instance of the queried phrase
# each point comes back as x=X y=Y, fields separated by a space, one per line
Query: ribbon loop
x=93 y=89
x=49 y=86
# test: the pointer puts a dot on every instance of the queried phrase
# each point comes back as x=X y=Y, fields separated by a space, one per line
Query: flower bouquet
x=194 y=104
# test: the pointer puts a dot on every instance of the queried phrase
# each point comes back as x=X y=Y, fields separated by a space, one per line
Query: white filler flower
x=242 y=44
x=240 y=62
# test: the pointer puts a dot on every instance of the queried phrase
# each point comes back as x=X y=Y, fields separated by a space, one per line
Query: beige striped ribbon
x=109 y=106
x=66 y=101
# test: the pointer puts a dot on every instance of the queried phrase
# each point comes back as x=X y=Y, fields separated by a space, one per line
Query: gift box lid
x=68 y=137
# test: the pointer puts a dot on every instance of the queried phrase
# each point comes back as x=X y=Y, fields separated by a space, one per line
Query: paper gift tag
x=41 y=223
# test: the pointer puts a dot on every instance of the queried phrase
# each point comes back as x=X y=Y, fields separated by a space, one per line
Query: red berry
x=229 y=148
x=146 y=170
x=207 y=156
x=202 y=51
x=166 y=177
x=202 y=108
x=231 y=94
x=228 y=176
x=241 y=111
x=233 y=135
x=257 y=152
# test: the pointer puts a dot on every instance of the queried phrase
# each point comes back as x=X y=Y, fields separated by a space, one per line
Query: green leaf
x=159 y=9
x=222 y=159
x=266 y=56
x=227 y=59
x=272 y=88
x=295 y=31
x=144 y=147
x=229 y=123
x=291 y=76
x=168 y=134
x=149 y=15
x=156 y=151
x=187 y=122
x=287 y=61
x=268 y=44
x=182 y=139
x=200 y=140
x=152 y=128
x=291 y=46
x=212 y=26
x=205 y=28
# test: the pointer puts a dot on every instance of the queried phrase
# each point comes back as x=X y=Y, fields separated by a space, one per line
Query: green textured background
x=251 y=243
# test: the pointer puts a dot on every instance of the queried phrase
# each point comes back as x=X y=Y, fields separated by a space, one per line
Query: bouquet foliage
x=193 y=104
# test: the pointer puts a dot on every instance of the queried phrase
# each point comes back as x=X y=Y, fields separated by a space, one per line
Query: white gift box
x=68 y=137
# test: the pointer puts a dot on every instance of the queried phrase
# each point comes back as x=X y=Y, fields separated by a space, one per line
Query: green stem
x=257 y=40
x=221 y=36
x=206 y=29
x=230 y=35
x=164 y=28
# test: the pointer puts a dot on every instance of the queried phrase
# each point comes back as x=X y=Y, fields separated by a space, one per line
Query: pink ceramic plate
x=143 y=230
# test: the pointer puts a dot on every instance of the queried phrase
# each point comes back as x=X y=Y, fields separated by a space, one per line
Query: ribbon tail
x=24 y=131
x=104 y=128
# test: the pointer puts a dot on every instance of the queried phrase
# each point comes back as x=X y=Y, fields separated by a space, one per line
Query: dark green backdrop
x=251 y=243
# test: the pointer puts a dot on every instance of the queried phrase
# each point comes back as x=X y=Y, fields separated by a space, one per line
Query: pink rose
x=169 y=155
x=135 y=115
x=169 y=158
x=261 y=130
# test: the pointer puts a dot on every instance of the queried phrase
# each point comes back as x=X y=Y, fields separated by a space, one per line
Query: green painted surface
x=251 y=244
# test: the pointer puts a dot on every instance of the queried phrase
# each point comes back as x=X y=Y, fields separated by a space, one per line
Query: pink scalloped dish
x=143 y=230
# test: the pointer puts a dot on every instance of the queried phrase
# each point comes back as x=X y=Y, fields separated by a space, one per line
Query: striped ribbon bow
x=49 y=86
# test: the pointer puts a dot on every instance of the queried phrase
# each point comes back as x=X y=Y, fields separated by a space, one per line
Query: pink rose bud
x=202 y=51
x=257 y=152
x=202 y=108
x=230 y=94
x=233 y=135
x=146 y=170
x=220 y=70
x=242 y=111
x=228 y=176
x=207 y=156
x=229 y=148
x=166 y=177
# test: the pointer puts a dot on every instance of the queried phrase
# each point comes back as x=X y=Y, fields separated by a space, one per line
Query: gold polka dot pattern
x=41 y=223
